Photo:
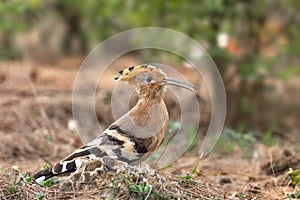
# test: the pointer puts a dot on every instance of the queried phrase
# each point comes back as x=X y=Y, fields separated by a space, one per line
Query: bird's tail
x=43 y=174
x=65 y=166
x=60 y=168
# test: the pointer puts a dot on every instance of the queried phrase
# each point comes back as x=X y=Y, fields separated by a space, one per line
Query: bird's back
x=124 y=140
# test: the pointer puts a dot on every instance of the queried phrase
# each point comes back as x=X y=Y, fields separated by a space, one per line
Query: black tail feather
x=46 y=173
x=56 y=170
x=68 y=165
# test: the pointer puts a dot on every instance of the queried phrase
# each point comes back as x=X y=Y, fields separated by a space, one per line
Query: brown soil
x=36 y=106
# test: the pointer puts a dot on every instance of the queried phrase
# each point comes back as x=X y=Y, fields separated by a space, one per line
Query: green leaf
x=28 y=178
x=168 y=166
x=12 y=189
x=194 y=171
x=187 y=177
x=141 y=188
x=46 y=183
x=133 y=188
x=148 y=188
x=268 y=140
x=294 y=177
x=46 y=166
x=293 y=196
x=49 y=138
x=40 y=196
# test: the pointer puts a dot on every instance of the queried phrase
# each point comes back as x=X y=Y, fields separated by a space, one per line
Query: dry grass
x=33 y=131
x=169 y=187
x=140 y=183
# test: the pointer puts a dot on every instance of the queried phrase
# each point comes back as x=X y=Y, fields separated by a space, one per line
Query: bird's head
x=149 y=76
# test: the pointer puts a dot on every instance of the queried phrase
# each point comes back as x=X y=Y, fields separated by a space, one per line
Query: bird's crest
x=130 y=72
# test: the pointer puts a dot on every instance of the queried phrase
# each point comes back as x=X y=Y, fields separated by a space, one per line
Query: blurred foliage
x=245 y=141
x=232 y=138
x=259 y=38
x=15 y=13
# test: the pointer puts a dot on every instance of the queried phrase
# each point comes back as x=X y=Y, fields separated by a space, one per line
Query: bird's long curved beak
x=186 y=85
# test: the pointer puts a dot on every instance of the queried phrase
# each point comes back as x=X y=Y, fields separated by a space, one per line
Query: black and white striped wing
x=113 y=143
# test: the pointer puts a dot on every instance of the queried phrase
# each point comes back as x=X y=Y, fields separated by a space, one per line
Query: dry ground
x=35 y=107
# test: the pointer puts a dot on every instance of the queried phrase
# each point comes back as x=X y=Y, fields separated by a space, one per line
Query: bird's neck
x=149 y=95
x=150 y=110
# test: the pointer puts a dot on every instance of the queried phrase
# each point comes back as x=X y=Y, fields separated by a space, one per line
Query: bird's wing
x=144 y=128
x=126 y=140
x=112 y=144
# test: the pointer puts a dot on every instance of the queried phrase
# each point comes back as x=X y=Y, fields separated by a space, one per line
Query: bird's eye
x=148 y=79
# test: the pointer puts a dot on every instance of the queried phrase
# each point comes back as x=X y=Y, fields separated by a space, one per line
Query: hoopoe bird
x=135 y=135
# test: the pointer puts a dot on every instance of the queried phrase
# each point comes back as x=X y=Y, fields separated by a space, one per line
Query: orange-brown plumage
x=135 y=135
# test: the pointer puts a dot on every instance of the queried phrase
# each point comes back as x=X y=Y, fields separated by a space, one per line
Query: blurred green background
x=255 y=44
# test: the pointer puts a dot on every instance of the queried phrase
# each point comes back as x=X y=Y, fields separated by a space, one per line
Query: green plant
x=231 y=137
x=173 y=127
x=48 y=137
x=295 y=195
x=46 y=166
x=268 y=139
x=294 y=177
x=115 y=185
x=46 y=183
x=19 y=180
x=192 y=138
x=40 y=196
x=294 y=180
x=188 y=179
x=142 y=190
x=225 y=145
x=189 y=176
